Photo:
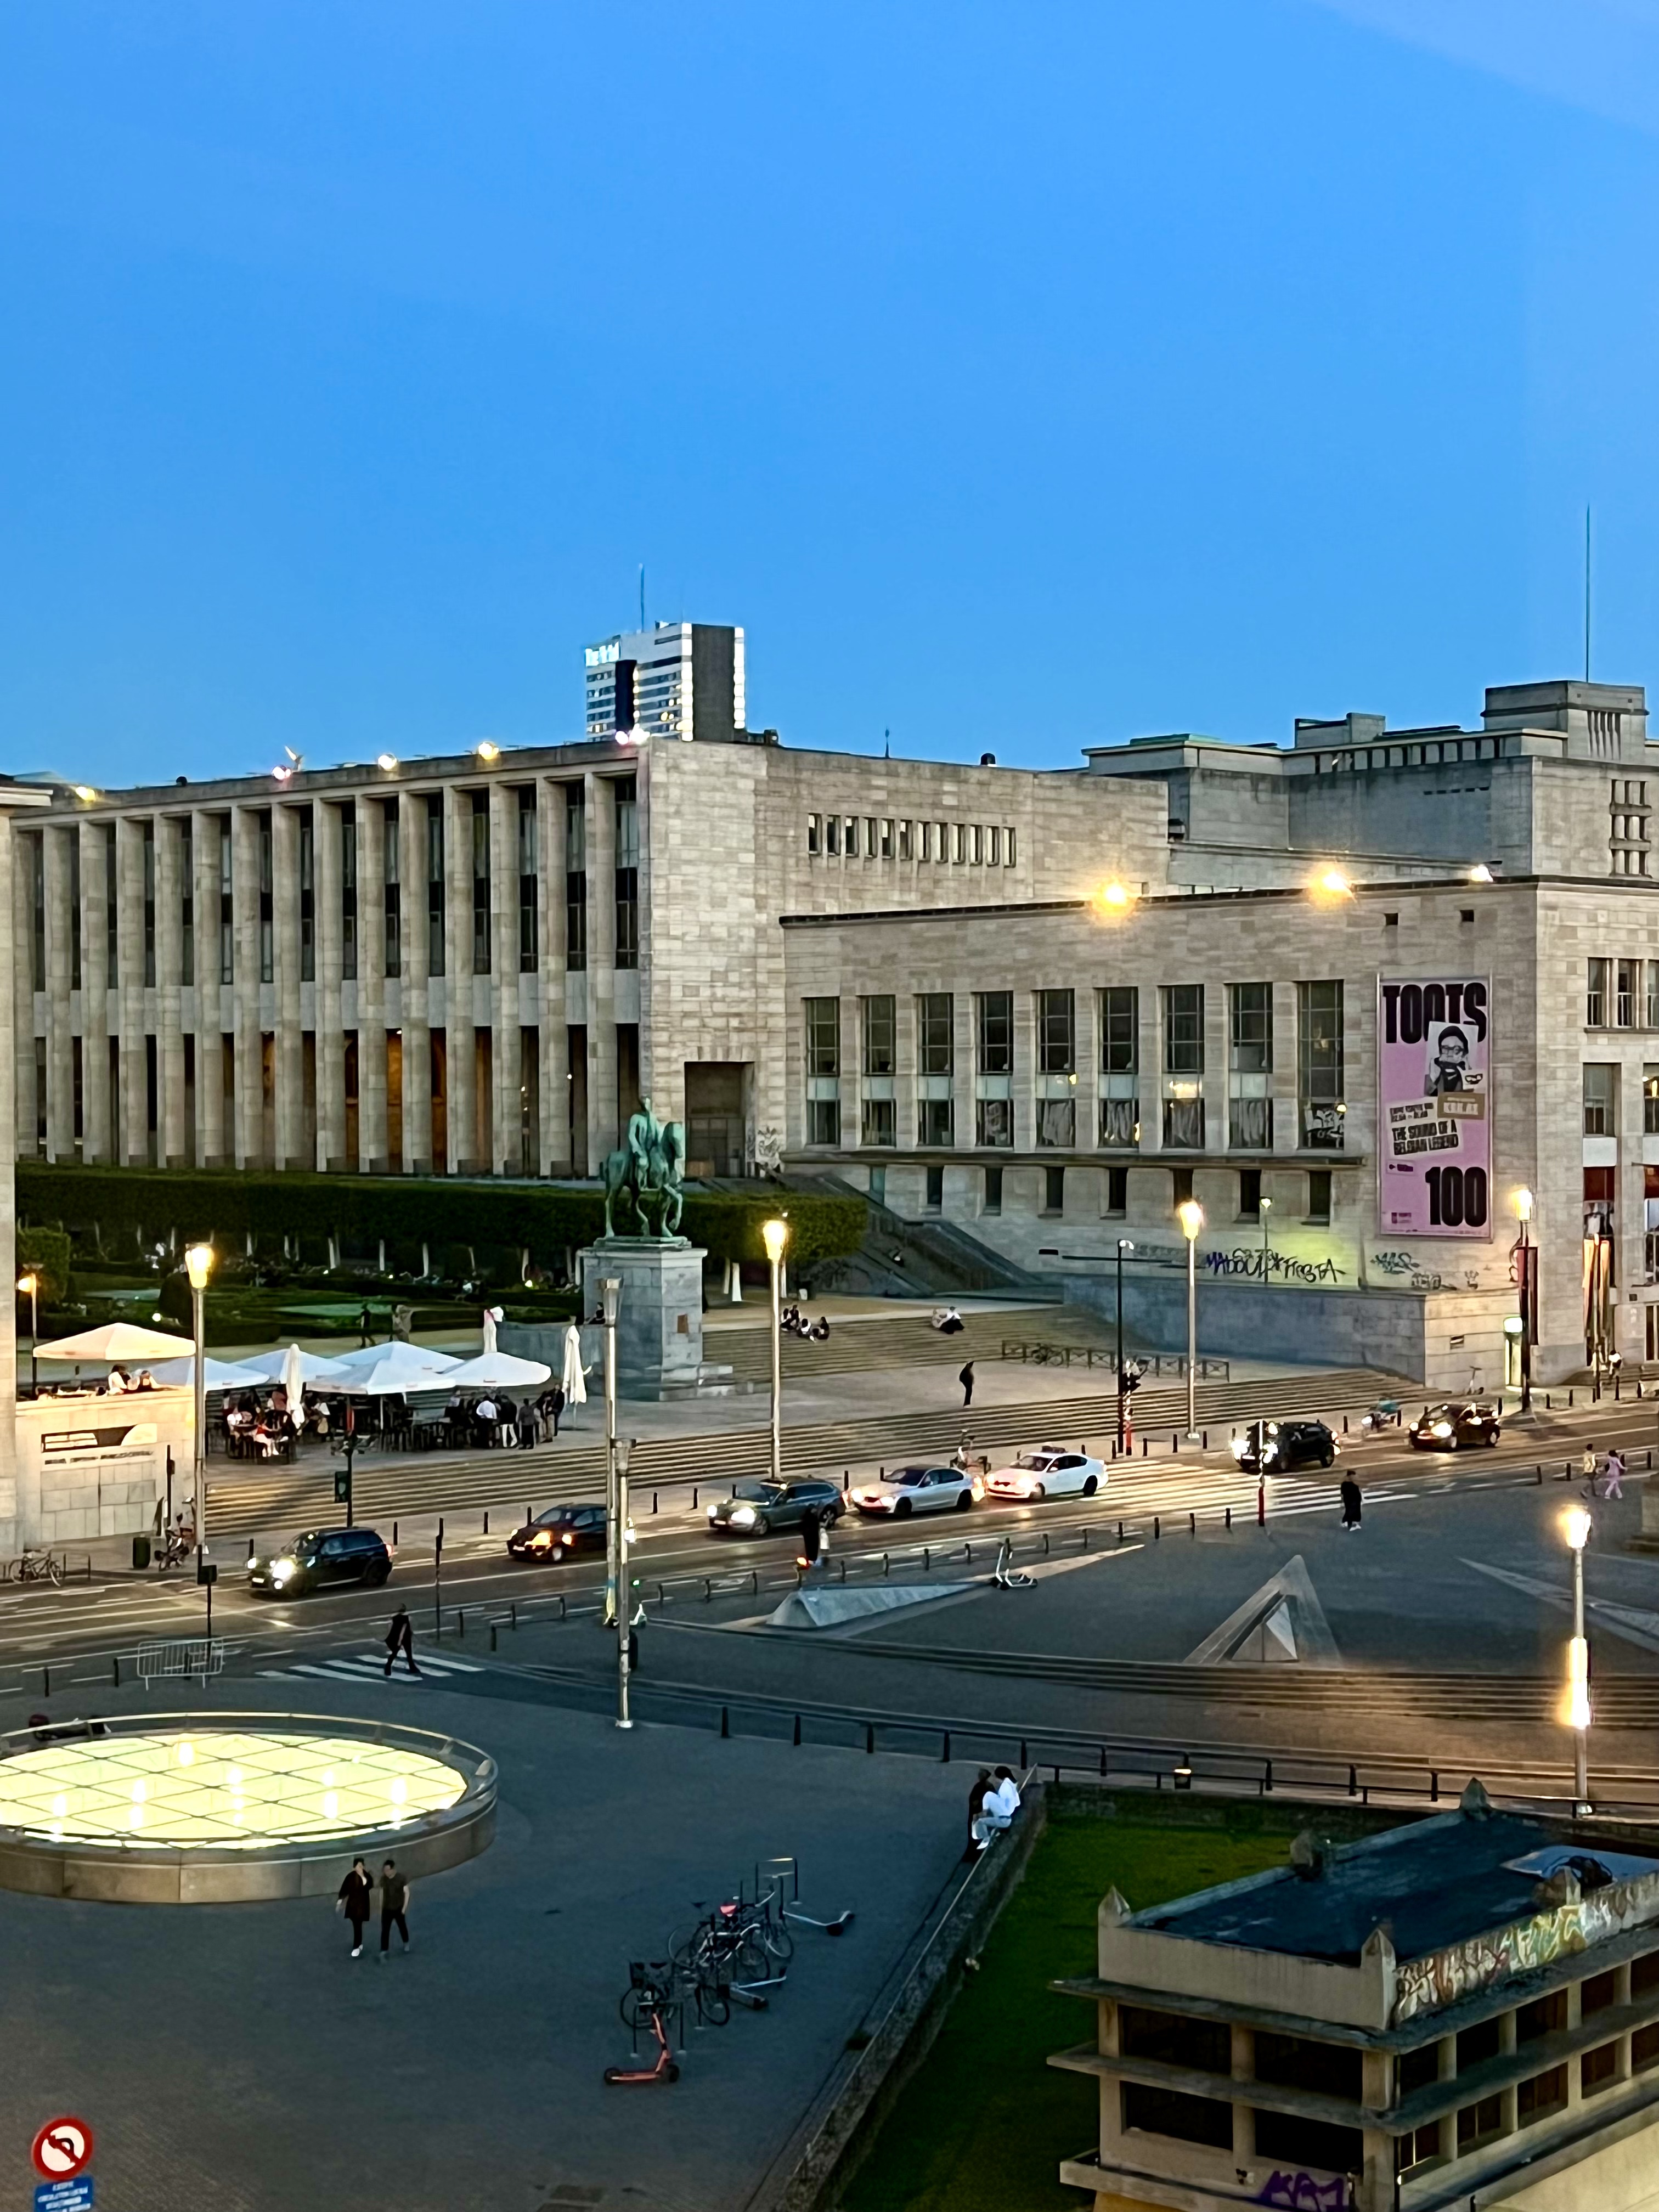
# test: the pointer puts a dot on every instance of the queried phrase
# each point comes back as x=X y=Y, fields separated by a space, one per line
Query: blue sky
x=1021 y=379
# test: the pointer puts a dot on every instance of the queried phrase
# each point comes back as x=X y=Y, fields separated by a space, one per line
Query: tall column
x=550 y=998
x=25 y=1115
x=602 y=1132
x=171 y=1146
x=290 y=1070
x=417 y=1034
x=328 y=876
x=60 y=1041
x=211 y=1148
x=374 y=1147
x=129 y=959
x=507 y=1143
x=97 y=1107
x=249 y=1058
x=23 y=1518
x=458 y=997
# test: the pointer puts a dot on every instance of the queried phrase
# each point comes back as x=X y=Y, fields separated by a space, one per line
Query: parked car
x=1049 y=1472
x=321 y=1558
x=909 y=1490
x=1276 y=1447
x=559 y=1531
x=1460 y=1421
x=765 y=1509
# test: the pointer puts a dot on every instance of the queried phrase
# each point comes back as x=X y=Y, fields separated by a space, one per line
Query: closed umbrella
x=294 y=1384
x=496 y=1370
x=492 y=1315
x=574 y=1386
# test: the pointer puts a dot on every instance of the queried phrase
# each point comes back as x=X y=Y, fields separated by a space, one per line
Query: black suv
x=1460 y=1421
x=321 y=1558
x=559 y=1531
x=762 y=1509
x=1275 y=1447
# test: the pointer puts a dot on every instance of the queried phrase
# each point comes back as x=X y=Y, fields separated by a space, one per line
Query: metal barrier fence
x=1040 y=1352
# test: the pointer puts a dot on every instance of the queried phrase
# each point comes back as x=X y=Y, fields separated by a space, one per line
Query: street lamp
x=198 y=1266
x=1191 y=1215
x=623 y=1447
x=1576 y=1528
x=610 y=1301
x=1264 y=1207
x=1124 y=1244
x=29 y=1285
x=1528 y=1300
x=774 y=1235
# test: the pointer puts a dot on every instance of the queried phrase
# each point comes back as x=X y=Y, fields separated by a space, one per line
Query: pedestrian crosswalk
x=358 y=1666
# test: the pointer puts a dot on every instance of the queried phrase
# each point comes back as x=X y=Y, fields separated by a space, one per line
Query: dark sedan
x=1460 y=1421
x=765 y=1509
x=1276 y=1447
x=558 y=1534
x=321 y=1558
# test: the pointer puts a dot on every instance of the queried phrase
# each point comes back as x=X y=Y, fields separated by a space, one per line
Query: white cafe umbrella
x=273 y=1366
x=221 y=1374
x=574 y=1386
x=495 y=1371
x=384 y=1369
x=418 y=1360
x=118 y=1342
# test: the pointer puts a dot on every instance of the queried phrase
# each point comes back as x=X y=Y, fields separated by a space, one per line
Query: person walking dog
x=353 y=1903
x=400 y=1636
x=394 y=1907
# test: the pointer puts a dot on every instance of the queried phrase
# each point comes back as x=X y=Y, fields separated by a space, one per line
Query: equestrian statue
x=648 y=1170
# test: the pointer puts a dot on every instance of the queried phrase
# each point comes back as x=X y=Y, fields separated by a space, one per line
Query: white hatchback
x=909 y=1490
x=1048 y=1473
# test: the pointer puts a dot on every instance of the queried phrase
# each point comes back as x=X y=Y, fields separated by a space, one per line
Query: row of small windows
x=1622 y=994
x=1431 y=754
x=1180 y=1082
x=385 y=820
x=958 y=844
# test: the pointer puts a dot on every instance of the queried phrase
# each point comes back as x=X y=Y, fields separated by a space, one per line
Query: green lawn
x=984 y=2125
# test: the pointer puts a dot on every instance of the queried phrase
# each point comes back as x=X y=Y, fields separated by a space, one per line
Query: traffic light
x=343 y=1485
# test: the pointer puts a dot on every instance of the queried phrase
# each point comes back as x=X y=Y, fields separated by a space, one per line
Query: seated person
x=116 y=1383
x=146 y=1380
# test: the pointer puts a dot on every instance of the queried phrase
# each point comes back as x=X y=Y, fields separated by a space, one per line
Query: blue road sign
x=64 y=2195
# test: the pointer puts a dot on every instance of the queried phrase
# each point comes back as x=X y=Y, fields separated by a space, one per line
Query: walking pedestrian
x=811 y=1538
x=353 y=1903
x=966 y=1379
x=1587 y=1468
x=1614 y=1485
x=558 y=1406
x=363 y=1327
x=1349 y=1493
x=400 y=1636
x=394 y=1907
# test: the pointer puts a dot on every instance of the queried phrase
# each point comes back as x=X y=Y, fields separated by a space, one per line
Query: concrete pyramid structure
x=1282 y=1624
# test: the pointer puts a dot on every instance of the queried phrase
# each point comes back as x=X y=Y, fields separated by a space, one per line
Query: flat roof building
x=1462 y=2011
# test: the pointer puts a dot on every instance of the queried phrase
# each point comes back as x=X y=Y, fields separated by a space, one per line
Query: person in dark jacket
x=394 y=1907
x=1349 y=1493
x=966 y=1379
x=355 y=1892
x=400 y=1636
x=811 y=1538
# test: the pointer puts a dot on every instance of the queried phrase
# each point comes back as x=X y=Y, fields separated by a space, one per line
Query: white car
x=1048 y=1473
x=909 y=1490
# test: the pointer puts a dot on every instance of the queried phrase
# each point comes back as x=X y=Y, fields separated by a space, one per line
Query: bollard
x=1192 y=1524
x=1175 y=1443
x=1261 y=1503
x=1569 y=1401
x=1144 y=1442
x=927 y=1559
x=492 y=1636
x=1537 y=1474
x=1353 y=1782
x=1085 y=1540
x=250 y=1547
x=944 y=1753
x=869 y=1735
x=1345 y=1425
x=1120 y=1532
x=513 y=1613
x=846 y=1480
x=394 y=1536
x=529 y=1512
x=797 y=1737
x=115 y=1668
x=45 y=1680
x=486 y=1524
x=726 y=1720
x=653 y=1501
x=886 y=1564
x=460 y=1620
x=1434 y=1787
x=1229 y=1517
x=694 y=1497
x=1158 y=1528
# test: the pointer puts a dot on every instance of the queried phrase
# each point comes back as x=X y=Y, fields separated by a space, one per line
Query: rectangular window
x=308 y=900
x=481 y=905
x=1302 y=2062
x=1543 y=2017
x=1319 y=1065
x=1053 y=1190
x=392 y=873
x=994 y=847
x=941 y=841
x=832 y=833
x=1292 y=2141
x=1173 y=2113
x=1057 y=1123
x=1183 y=1028
x=627 y=873
x=1598 y=2070
x=1628 y=994
x=993 y=1123
x=1120 y=1031
x=227 y=911
x=74 y=910
x=1319 y=1195
x=886 y=841
x=994 y=1029
x=823 y=1036
x=849 y=835
x=1119 y=1122
x=1117 y=1191
x=33 y=846
x=434 y=884
x=348 y=892
x=869 y=837
x=1479 y=2123
x=879 y=1022
x=1175 y=2039
x=1008 y=849
x=1596 y=1993
x=529 y=886
x=979 y=846
x=935 y=1121
x=575 y=877
x=1644 y=2043
x=267 y=902
x=186 y=906
x=112 y=912
x=1650 y=1101
x=148 y=842
x=1183 y=1122
x=991 y=1198
x=904 y=850
x=1543 y=2094
x=814 y=832
x=878 y=1124
x=1601 y=1099
x=1250 y=1124
x=934 y=1191
x=1056 y=1033
x=824 y=1121
x=958 y=843
x=1596 y=995
x=933 y=1039
x=1250 y=1193
x=1250 y=1039
x=1180 y=1186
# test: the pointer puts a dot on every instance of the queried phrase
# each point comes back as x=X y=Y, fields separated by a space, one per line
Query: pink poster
x=1434 y=1107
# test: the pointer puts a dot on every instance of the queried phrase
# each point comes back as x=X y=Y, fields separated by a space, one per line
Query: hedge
x=45 y=1252
x=539 y=1218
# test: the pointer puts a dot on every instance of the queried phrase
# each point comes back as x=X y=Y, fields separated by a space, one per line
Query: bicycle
x=36 y=1567
x=728 y=1949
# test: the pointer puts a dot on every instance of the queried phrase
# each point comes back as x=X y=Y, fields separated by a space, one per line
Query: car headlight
x=1239 y=1446
x=281 y=1570
x=743 y=1516
x=713 y=1512
x=1441 y=1429
x=977 y=1487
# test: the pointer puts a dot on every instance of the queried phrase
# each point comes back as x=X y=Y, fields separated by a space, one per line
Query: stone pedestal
x=660 y=1321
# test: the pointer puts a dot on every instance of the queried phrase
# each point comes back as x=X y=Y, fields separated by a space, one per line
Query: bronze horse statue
x=649 y=1167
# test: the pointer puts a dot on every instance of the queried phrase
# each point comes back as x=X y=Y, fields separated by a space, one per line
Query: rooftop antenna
x=1586 y=595
x=887 y=745
x=641 y=595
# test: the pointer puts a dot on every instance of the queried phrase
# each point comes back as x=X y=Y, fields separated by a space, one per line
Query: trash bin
x=140 y=1551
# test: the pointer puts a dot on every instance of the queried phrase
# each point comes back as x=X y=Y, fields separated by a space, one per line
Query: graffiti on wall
x=1251 y=1262
x=1301 y=2192
x=1441 y=1978
x=1403 y=1267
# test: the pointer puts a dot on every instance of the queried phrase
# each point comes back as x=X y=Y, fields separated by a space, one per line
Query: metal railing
x=1044 y=1353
